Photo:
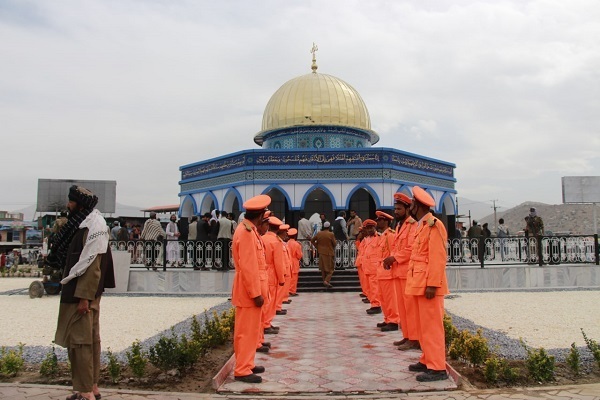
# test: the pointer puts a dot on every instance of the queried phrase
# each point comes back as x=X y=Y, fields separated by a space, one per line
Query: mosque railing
x=515 y=250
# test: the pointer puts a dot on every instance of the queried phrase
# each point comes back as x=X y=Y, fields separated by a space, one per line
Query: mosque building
x=316 y=155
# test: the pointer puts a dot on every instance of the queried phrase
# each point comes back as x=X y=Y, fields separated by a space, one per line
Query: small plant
x=49 y=366
x=539 y=364
x=492 y=369
x=164 y=354
x=114 y=367
x=574 y=360
x=11 y=361
x=189 y=352
x=593 y=346
x=450 y=331
x=137 y=359
x=457 y=348
x=476 y=348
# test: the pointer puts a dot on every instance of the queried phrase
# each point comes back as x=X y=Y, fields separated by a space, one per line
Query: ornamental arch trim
x=230 y=197
x=188 y=207
x=324 y=189
x=369 y=189
x=281 y=190
x=205 y=204
x=447 y=201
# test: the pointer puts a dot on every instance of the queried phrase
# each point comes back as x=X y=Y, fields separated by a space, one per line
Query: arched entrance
x=208 y=203
x=319 y=201
x=448 y=215
x=279 y=204
x=363 y=203
x=231 y=203
x=187 y=208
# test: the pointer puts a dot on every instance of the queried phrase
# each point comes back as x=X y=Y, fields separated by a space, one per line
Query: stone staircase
x=343 y=281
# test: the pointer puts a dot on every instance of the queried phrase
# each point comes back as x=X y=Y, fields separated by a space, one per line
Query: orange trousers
x=261 y=330
x=364 y=282
x=431 y=326
x=294 y=283
x=373 y=294
x=407 y=310
x=389 y=301
x=245 y=336
x=271 y=308
x=283 y=293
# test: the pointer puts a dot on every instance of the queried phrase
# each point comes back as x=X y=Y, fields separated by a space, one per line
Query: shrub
x=137 y=359
x=163 y=355
x=188 y=352
x=539 y=364
x=497 y=369
x=114 y=367
x=450 y=331
x=457 y=348
x=593 y=346
x=11 y=361
x=476 y=348
x=574 y=360
x=49 y=367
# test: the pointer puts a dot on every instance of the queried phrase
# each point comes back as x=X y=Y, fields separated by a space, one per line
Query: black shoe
x=267 y=344
x=262 y=349
x=374 y=310
x=365 y=300
x=363 y=295
x=271 y=331
x=401 y=342
x=204 y=269
x=196 y=269
x=274 y=327
x=252 y=378
x=381 y=324
x=418 y=367
x=431 y=375
x=294 y=294
x=258 y=369
x=390 y=328
x=281 y=312
x=287 y=302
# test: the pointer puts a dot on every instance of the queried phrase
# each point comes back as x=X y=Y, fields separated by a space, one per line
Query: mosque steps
x=310 y=280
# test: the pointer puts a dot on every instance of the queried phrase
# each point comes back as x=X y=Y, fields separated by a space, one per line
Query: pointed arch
x=368 y=189
x=209 y=198
x=448 y=203
x=407 y=190
x=324 y=189
x=188 y=207
x=277 y=187
x=229 y=199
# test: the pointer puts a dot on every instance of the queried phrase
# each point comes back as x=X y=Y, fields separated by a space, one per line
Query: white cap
x=326 y=224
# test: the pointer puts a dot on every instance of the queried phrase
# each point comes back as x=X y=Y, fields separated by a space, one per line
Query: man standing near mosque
x=81 y=250
x=152 y=231
x=325 y=242
x=276 y=271
x=295 y=252
x=249 y=289
x=387 y=290
x=173 y=234
x=426 y=280
x=398 y=262
x=371 y=258
x=354 y=224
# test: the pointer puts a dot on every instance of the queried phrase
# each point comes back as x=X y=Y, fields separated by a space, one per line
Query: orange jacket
x=386 y=246
x=427 y=266
x=275 y=260
x=250 y=265
x=405 y=236
x=287 y=260
x=371 y=256
x=358 y=244
x=295 y=252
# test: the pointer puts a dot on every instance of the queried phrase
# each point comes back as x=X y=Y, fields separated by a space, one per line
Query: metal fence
x=542 y=250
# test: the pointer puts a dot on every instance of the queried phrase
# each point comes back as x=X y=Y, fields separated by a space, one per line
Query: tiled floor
x=328 y=343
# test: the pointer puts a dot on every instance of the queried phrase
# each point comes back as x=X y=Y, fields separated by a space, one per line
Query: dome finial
x=314 y=60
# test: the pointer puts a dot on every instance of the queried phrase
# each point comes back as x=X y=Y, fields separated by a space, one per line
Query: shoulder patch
x=411 y=220
x=431 y=221
x=248 y=228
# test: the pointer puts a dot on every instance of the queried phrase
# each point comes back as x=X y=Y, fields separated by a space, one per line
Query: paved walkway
x=329 y=344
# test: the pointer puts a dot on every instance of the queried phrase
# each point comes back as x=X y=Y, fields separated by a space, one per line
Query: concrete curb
x=223 y=373
x=456 y=377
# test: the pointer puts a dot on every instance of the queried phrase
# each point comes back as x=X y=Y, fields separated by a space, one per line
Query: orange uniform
x=370 y=260
x=295 y=253
x=387 y=291
x=250 y=281
x=283 y=291
x=276 y=272
x=427 y=268
x=404 y=238
x=364 y=283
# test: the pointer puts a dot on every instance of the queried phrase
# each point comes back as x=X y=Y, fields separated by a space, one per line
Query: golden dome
x=315 y=99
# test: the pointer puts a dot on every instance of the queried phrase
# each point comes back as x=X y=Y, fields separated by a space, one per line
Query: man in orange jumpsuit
x=398 y=262
x=295 y=252
x=426 y=280
x=275 y=269
x=283 y=292
x=248 y=292
x=370 y=260
x=358 y=264
x=387 y=290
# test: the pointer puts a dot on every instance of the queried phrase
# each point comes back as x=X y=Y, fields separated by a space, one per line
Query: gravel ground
x=549 y=319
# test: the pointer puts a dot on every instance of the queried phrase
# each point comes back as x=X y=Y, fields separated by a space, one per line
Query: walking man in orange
x=295 y=253
x=248 y=289
x=276 y=270
x=398 y=263
x=426 y=280
x=370 y=260
x=387 y=290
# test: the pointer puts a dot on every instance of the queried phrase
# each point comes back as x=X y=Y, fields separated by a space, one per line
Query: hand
x=430 y=292
x=83 y=307
x=281 y=283
x=387 y=262
x=258 y=301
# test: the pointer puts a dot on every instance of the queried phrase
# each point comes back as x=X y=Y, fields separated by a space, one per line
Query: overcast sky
x=124 y=90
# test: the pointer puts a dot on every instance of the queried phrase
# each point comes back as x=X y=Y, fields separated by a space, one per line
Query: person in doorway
x=426 y=280
x=81 y=250
x=325 y=243
x=354 y=224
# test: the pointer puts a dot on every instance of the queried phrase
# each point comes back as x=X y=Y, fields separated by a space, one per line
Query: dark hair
x=253 y=214
x=194 y=218
x=501 y=220
x=206 y=215
x=232 y=215
x=342 y=214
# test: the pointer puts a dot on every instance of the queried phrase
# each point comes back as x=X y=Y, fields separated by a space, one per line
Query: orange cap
x=423 y=197
x=257 y=203
x=292 y=232
x=402 y=198
x=382 y=215
x=284 y=227
x=275 y=221
x=369 y=222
